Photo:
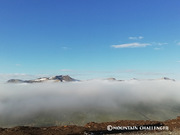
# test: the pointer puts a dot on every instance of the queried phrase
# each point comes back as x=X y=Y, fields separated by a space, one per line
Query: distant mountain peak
x=58 y=78
x=62 y=78
x=166 y=78
x=15 y=81
x=67 y=78
x=111 y=79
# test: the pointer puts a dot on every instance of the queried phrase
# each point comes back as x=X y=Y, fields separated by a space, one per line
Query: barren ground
x=93 y=128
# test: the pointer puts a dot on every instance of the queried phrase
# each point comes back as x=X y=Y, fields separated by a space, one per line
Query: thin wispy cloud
x=136 y=38
x=149 y=73
x=157 y=48
x=66 y=70
x=178 y=43
x=131 y=45
x=159 y=43
x=162 y=43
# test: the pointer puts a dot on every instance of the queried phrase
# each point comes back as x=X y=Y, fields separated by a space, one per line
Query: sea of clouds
x=22 y=101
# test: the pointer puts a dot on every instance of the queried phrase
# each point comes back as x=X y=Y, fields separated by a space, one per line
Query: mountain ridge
x=58 y=78
x=67 y=78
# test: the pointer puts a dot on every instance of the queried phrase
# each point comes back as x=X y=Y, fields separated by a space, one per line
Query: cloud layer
x=88 y=101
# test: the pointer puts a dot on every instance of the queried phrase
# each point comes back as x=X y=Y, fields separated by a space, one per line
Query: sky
x=90 y=38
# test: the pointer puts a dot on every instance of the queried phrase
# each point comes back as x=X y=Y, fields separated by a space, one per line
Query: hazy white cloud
x=178 y=43
x=162 y=43
x=136 y=38
x=131 y=45
x=157 y=48
x=159 y=43
x=21 y=102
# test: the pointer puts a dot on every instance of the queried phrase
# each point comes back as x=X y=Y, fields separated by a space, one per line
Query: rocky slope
x=59 y=78
x=171 y=127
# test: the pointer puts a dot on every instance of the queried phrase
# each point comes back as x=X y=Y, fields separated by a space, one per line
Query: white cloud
x=140 y=37
x=133 y=38
x=178 y=43
x=131 y=45
x=20 y=103
x=162 y=43
x=136 y=38
x=159 y=43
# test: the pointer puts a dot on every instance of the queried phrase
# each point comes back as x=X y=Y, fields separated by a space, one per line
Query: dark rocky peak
x=62 y=78
x=166 y=78
x=15 y=81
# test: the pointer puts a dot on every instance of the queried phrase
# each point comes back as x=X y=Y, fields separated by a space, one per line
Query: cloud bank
x=131 y=45
x=25 y=104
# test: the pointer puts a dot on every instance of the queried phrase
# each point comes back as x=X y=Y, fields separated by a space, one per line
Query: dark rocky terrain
x=93 y=128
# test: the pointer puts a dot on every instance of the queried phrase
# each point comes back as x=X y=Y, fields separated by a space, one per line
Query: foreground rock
x=98 y=128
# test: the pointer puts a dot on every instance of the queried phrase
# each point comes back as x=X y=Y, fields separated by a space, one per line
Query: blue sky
x=90 y=38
